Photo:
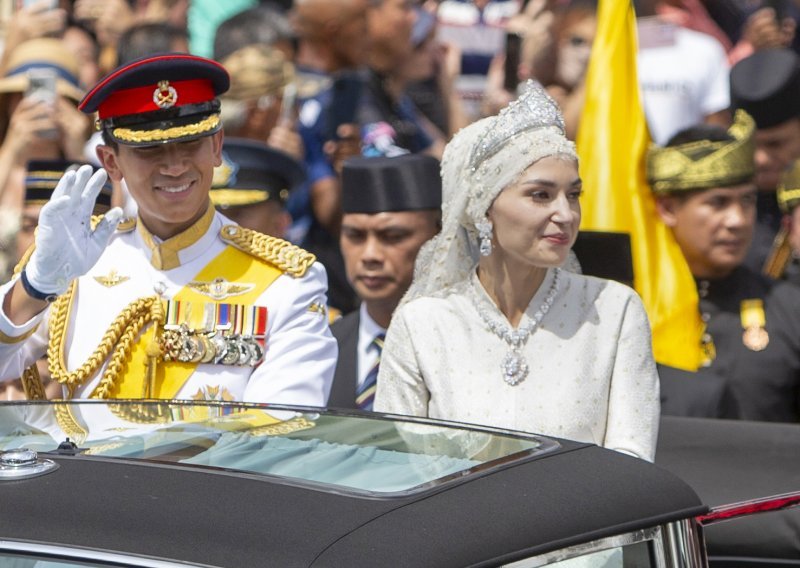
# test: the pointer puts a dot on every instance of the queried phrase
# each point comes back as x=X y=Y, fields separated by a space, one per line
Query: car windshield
x=358 y=452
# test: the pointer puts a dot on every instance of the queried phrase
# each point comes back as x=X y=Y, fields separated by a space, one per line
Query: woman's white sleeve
x=634 y=406
x=401 y=386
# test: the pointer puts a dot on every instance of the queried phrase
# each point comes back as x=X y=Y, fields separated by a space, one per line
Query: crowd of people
x=372 y=204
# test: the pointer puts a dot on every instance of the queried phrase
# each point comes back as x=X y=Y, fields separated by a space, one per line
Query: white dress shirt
x=368 y=330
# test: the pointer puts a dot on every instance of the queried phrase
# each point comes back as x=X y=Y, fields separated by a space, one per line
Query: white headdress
x=478 y=163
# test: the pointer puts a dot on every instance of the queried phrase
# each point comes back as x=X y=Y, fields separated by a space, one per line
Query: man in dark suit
x=391 y=207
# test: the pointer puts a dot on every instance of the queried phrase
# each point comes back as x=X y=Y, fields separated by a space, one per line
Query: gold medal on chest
x=754 y=321
x=755 y=338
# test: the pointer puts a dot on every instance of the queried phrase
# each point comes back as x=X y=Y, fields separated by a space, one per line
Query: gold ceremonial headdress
x=789 y=189
x=704 y=164
x=257 y=70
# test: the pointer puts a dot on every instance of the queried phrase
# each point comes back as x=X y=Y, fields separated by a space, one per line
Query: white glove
x=66 y=246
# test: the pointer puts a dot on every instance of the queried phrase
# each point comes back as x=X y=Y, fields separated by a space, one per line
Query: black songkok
x=767 y=86
x=409 y=182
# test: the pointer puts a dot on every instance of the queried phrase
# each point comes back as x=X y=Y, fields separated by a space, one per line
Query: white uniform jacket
x=299 y=350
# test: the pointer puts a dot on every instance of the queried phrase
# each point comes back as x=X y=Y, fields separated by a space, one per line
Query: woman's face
x=536 y=218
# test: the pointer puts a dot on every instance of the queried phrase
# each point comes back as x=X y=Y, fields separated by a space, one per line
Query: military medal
x=219 y=334
x=754 y=321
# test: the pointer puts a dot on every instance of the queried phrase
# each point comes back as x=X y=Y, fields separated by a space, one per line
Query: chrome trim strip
x=652 y=533
x=684 y=545
x=60 y=552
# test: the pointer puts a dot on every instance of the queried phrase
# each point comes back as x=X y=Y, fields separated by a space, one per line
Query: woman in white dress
x=492 y=331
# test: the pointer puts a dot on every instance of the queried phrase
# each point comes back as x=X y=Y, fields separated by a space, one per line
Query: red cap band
x=155 y=97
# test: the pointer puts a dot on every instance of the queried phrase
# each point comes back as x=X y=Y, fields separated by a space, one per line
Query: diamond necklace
x=514 y=366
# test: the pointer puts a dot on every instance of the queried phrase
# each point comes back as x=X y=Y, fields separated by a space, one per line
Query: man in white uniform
x=179 y=303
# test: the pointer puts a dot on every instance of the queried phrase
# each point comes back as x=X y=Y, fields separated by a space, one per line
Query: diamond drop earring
x=484 y=227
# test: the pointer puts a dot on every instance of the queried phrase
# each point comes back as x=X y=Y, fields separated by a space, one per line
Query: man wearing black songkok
x=391 y=207
x=767 y=86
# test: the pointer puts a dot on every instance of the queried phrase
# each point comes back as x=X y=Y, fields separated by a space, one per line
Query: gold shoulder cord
x=117 y=341
x=282 y=254
x=142 y=413
x=24 y=260
x=32 y=384
x=119 y=337
x=67 y=422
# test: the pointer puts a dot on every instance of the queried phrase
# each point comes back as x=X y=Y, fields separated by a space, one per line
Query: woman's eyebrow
x=548 y=182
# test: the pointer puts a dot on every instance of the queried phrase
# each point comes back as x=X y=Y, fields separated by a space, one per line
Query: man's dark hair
x=265 y=24
x=108 y=141
x=710 y=132
x=147 y=39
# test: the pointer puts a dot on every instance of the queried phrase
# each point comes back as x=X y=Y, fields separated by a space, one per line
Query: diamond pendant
x=514 y=367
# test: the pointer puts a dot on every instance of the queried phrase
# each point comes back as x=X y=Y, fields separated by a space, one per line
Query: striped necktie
x=366 y=392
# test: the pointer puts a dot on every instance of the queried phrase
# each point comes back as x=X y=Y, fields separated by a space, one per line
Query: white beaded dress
x=591 y=373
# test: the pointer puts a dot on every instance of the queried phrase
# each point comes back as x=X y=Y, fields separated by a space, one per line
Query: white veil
x=478 y=163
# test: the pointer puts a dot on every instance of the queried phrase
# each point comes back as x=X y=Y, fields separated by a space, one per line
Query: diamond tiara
x=533 y=109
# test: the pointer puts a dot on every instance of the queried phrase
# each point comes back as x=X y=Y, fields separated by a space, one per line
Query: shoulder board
x=282 y=254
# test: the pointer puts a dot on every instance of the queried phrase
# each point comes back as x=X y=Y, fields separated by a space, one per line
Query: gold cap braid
x=704 y=164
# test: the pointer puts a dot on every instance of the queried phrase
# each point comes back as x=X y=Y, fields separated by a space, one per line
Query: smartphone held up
x=42 y=87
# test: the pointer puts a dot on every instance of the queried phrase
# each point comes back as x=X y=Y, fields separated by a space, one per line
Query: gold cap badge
x=165 y=95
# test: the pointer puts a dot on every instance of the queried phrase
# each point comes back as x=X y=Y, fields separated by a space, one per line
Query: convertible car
x=168 y=484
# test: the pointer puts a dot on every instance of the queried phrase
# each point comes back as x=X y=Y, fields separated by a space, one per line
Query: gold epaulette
x=282 y=254
x=32 y=384
x=125 y=226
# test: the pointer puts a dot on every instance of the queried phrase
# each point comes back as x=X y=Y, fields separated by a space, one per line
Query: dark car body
x=731 y=461
x=243 y=485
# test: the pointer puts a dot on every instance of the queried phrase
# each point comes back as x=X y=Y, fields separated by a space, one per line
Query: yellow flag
x=612 y=143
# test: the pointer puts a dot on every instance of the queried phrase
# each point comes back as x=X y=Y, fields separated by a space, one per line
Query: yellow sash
x=234 y=266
